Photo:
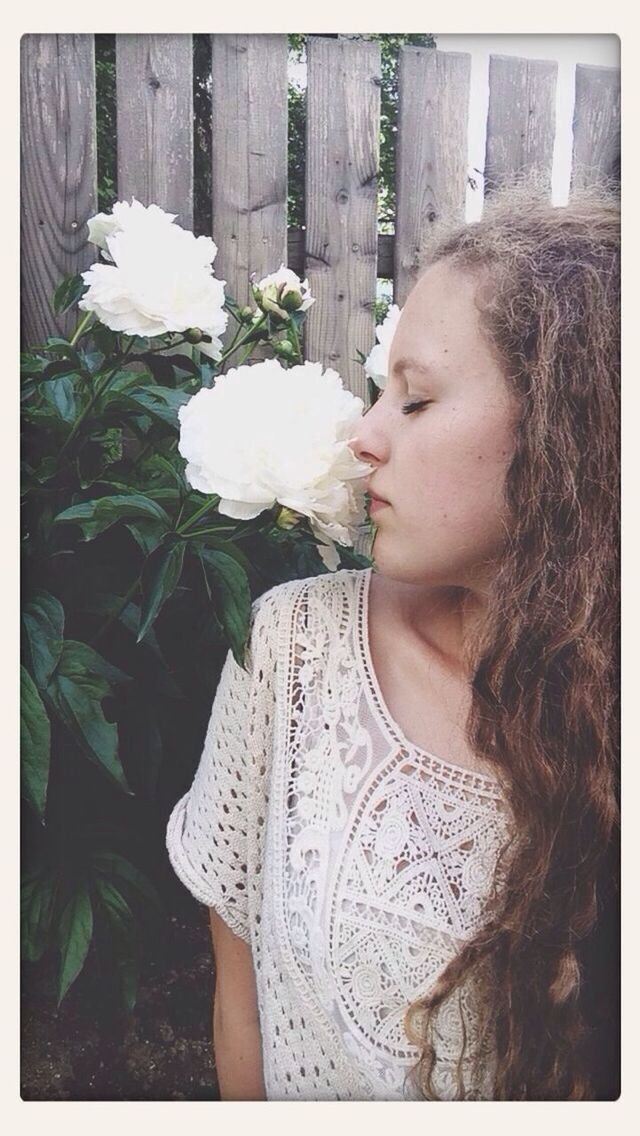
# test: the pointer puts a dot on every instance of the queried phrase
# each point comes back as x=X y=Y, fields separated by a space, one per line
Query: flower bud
x=246 y=313
x=284 y=347
x=193 y=335
x=291 y=299
x=269 y=302
x=287 y=518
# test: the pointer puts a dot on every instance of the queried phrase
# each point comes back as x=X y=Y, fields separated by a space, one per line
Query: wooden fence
x=339 y=249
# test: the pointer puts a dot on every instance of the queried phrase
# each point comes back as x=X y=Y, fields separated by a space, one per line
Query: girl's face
x=441 y=467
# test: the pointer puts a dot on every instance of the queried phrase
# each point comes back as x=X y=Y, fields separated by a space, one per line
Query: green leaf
x=185 y=363
x=105 y=339
x=161 y=368
x=68 y=293
x=61 y=396
x=114 y=866
x=99 y=452
x=162 y=403
x=125 y=935
x=122 y=381
x=160 y=575
x=235 y=596
x=49 y=422
x=74 y=937
x=43 y=629
x=129 y=978
x=35 y=744
x=32 y=364
x=97 y=515
x=221 y=544
x=115 y=907
x=46 y=470
x=77 y=688
x=61 y=348
x=37 y=902
x=57 y=368
x=148 y=534
x=78 y=657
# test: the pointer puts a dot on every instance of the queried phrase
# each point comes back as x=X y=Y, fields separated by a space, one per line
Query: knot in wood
x=154 y=83
x=342 y=196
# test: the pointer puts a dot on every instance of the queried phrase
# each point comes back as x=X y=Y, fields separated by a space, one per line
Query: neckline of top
x=461 y=773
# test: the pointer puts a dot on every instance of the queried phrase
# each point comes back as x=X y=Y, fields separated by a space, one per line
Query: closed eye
x=410 y=407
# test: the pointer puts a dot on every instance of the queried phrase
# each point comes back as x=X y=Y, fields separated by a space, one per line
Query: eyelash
x=410 y=407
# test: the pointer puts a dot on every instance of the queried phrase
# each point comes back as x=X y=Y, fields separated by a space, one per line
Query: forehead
x=440 y=320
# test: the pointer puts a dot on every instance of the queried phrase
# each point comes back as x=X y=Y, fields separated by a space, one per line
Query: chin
x=419 y=573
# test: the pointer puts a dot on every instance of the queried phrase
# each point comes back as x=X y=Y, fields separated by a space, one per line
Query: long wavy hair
x=544 y=710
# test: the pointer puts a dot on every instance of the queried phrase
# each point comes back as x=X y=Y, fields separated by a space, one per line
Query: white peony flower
x=283 y=292
x=160 y=277
x=100 y=227
x=376 y=364
x=264 y=434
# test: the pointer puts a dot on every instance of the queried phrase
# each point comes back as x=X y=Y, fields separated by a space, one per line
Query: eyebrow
x=409 y=364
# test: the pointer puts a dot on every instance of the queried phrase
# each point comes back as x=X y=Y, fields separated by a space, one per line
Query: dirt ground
x=162 y=1052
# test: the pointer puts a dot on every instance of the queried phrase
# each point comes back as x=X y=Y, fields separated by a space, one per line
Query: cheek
x=462 y=472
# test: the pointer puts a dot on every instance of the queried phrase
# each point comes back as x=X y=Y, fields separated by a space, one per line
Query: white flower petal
x=239 y=510
x=376 y=365
x=265 y=434
x=161 y=279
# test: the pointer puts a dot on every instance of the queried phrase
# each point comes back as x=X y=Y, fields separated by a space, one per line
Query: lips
x=377 y=497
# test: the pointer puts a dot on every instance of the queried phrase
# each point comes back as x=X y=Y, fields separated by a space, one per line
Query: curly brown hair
x=544 y=707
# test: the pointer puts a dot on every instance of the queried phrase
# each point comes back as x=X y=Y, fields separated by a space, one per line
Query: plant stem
x=234 y=346
x=118 y=612
x=211 y=532
x=165 y=347
x=207 y=505
x=80 y=328
x=99 y=390
x=293 y=335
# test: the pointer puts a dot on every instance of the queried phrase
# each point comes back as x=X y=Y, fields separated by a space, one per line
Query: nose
x=369 y=443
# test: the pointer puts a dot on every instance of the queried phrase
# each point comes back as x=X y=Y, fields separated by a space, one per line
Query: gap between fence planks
x=58 y=180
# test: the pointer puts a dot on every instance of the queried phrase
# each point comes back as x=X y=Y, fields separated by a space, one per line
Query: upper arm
x=212 y=835
x=236 y=998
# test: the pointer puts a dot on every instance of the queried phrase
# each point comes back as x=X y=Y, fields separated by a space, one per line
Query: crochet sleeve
x=210 y=829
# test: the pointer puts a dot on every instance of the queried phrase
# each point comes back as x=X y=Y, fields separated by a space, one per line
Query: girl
x=404 y=815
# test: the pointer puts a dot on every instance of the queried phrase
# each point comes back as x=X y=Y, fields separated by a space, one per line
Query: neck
x=444 y=619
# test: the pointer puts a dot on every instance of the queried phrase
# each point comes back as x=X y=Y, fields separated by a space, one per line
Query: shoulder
x=277 y=611
x=278 y=602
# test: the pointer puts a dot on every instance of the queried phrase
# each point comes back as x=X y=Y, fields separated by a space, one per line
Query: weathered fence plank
x=249 y=156
x=521 y=122
x=154 y=92
x=343 y=112
x=58 y=173
x=431 y=152
x=296 y=253
x=596 y=125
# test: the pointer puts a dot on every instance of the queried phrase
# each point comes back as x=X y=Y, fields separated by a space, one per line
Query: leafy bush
x=134 y=588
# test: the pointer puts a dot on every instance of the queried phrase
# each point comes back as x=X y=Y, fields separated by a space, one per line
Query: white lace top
x=354 y=863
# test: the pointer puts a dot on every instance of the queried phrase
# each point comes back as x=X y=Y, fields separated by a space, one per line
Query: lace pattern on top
x=354 y=863
x=388 y=852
